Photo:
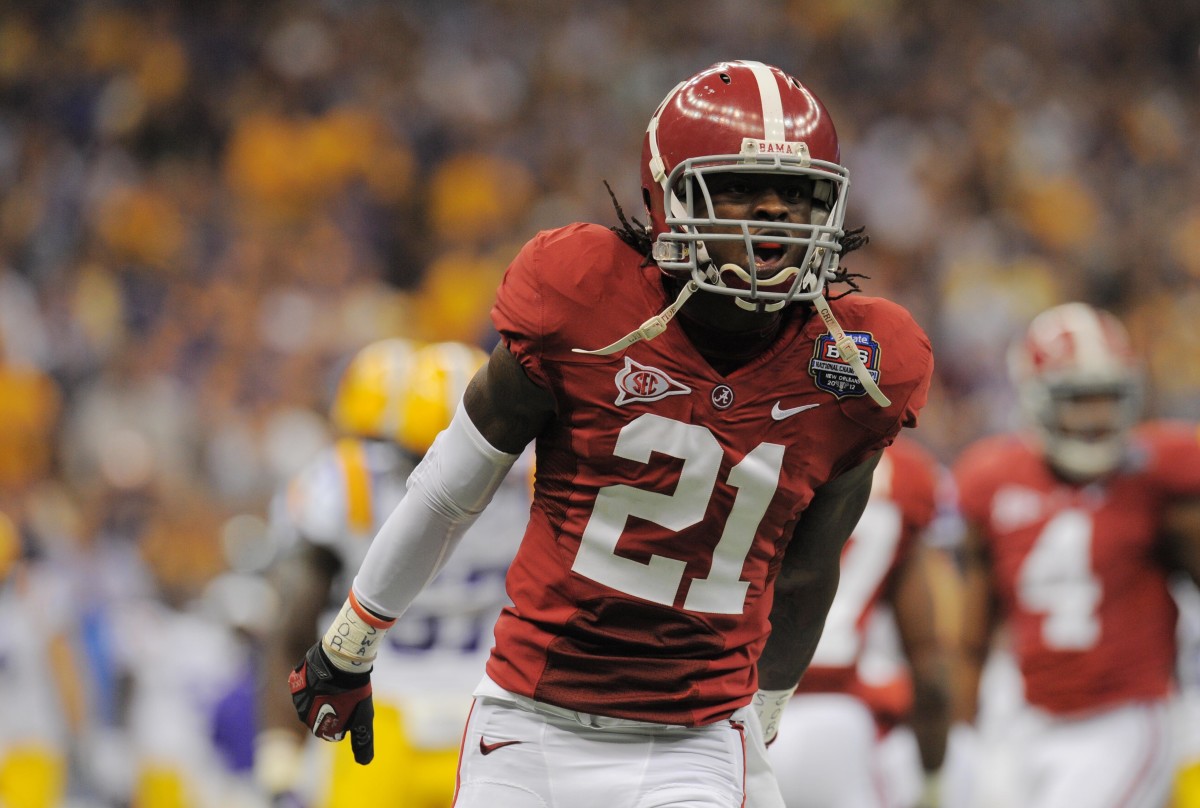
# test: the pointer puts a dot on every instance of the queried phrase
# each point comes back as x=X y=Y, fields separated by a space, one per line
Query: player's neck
x=726 y=349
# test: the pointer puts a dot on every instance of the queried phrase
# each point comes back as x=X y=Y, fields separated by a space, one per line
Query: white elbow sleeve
x=461 y=471
x=447 y=490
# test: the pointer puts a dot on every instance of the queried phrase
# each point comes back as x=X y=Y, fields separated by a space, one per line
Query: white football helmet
x=1080 y=388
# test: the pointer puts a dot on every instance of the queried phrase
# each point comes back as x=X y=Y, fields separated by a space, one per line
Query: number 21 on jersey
x=756 y=479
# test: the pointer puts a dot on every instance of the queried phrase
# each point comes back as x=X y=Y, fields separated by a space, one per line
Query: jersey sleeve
x=972 y=474
x=548 y=298
x=914 y=369
x=915 y=483
x=519 y=309
x=1174 y=456
x=899 y=351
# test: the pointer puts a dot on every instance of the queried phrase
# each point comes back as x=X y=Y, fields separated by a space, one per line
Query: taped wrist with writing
x=769 y=705
x=352 y=640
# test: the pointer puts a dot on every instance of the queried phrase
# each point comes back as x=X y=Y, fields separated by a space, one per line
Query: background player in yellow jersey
x=391 y=402
x=1185 y=792
x=44 y=699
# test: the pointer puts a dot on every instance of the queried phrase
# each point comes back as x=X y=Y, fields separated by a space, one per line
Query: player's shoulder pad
x=571 y=263
x=913 y=463
x=1169 y=451
x=896 y=352
x=553 y=290
x=905 y=352
x=989 y=458
x=914 y=478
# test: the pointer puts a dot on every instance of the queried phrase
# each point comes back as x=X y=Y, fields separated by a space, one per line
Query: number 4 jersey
x=1077 y=570
x=666 y=492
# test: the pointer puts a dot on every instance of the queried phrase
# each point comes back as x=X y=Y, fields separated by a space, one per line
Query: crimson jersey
x=902 y=505
x=666 y=492
x=1076 y=569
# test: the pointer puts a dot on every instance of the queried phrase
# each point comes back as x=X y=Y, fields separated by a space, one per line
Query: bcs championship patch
x=834 y=375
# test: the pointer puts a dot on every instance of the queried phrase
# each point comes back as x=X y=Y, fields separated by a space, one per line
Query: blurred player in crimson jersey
x=830 y=752
x=1074 y=530
x=706 y=426
x=392 y=400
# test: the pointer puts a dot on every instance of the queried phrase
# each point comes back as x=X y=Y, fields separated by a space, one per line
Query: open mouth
x=772 y=272
x=768 y=257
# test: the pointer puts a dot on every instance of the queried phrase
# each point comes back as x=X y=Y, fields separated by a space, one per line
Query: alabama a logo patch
x=834 y=375
x=637 y=382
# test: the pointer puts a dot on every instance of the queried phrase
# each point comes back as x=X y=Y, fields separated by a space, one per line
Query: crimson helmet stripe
x=772 y=101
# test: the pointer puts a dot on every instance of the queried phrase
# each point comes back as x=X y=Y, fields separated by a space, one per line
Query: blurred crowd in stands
x=206 y=207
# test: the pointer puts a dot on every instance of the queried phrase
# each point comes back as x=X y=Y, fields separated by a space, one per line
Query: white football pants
x=518 y=753
x=826 y=754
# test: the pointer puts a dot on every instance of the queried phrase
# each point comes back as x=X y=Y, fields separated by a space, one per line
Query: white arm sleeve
x=447 y=491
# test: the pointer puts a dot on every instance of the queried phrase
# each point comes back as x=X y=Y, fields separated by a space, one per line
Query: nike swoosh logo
x=779 y=413
x=486 y=748
x=325 y=721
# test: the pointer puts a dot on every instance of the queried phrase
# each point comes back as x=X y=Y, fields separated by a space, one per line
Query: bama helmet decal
x=833 y=375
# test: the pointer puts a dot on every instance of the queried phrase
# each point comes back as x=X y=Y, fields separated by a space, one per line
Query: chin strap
x=649 y=329
x=849 y=351
x=845 y=346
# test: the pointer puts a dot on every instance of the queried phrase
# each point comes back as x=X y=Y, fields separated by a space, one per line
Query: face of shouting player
x=768 y=200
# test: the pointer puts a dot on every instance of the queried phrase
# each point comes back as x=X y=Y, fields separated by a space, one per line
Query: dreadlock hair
x=633 y=233
x=638 y=236
x=851 y=240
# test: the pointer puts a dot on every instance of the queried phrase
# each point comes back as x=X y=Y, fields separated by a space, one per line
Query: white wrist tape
x=769 y=705
x=352 y=640
x=447 y=491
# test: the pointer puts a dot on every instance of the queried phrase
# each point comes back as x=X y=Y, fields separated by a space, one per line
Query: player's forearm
x=1181 y=536
x=808 y=577
x=930 y=719
x=797 y=619
x=446 y=493
x=977 y=626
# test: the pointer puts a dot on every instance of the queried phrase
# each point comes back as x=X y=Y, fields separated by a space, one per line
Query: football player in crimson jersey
x=1074 y=530
x=706 y=424
x=830 y=752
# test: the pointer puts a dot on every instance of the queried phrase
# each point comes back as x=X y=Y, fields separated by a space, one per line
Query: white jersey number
x=1056 y=580
x=756 y=479
x=869 y=554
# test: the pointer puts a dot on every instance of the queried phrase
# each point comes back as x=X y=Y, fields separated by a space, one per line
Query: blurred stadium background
x=206 y=207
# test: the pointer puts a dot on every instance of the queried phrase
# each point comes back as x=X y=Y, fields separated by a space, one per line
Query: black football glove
x=332 y=702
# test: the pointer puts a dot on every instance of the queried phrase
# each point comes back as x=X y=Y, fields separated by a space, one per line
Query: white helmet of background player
x=1080 y=388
